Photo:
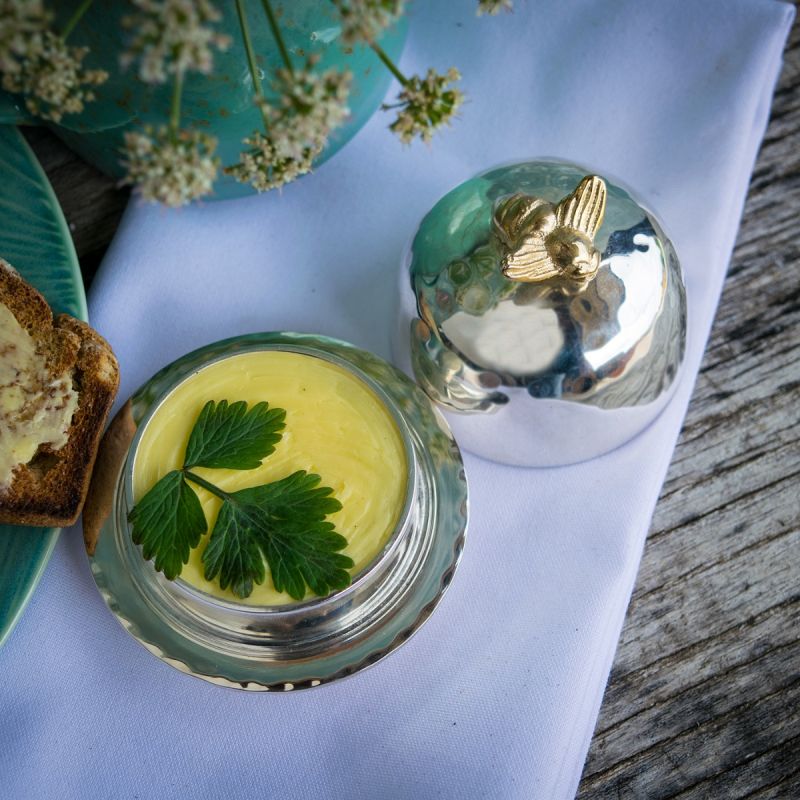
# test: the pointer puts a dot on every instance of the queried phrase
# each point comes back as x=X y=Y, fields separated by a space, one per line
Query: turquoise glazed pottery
x=220 y=103
x=33 y=238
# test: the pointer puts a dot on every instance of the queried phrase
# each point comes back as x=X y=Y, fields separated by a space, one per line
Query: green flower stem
x=248 y=48
x=251 y=59
x=390 y=65
x=75 y=18
x=175 y=107
x=215 y=490
x=276 y=32
x=383 y=56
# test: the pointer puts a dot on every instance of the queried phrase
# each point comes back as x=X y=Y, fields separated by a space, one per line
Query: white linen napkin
x=498 y=694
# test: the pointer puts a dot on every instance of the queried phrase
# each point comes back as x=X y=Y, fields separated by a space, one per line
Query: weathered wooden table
x=704 y=696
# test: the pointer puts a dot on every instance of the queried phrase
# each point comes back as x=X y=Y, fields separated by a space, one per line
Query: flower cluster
x=264 y=167
x=493 y=7
x=309 y=106
x=22 y=23
x=172 y=37
x=167 y=39
x=52 y=77
x=426 y=104
x=365 y=20
x=170 y=167
x=297 y=124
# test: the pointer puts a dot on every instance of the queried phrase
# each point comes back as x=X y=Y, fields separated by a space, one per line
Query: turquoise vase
x=221 y=103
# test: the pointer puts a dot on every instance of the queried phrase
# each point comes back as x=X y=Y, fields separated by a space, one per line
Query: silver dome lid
x=546 y=309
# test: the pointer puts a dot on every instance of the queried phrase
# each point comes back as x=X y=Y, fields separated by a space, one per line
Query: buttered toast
x=58 y=380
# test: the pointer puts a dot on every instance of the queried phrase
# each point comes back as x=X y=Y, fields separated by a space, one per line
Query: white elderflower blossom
x=170 y=167
x=22 y=26
x=493 y=7
x=171 y=37
x=263 y=166
x=425 y=104
x=307 y=107
x=52 y=78
x=365 y=20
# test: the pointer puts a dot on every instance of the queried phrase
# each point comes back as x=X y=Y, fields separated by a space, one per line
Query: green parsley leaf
x=168 y=521
x=233 y=437
x=233 y=553
x=284 y=520
x=299 y=555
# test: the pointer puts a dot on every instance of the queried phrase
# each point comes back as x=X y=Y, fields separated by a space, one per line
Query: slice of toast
x=50 y=489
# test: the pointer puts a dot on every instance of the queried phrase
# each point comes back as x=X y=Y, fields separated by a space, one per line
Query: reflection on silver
x=538 y=374
x=298 y=645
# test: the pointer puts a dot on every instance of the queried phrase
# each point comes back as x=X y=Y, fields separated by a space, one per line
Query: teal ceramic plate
x=35 y=239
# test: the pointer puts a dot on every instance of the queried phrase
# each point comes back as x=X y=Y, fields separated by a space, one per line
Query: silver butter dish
x=245 y=644
x=543 y=308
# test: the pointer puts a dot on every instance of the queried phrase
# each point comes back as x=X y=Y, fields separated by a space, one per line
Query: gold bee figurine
x=543 y=241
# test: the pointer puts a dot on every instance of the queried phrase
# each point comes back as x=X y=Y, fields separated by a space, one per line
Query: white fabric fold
x=498 y=694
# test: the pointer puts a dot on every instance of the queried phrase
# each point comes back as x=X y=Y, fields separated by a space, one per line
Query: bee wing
x=585 y=208
x=530 y=262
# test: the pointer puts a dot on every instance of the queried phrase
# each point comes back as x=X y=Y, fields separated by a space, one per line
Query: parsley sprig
x=283 y=522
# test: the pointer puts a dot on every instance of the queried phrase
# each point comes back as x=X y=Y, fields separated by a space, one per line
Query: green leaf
x=229 y=436
x=300 y=555
x=285 y=520
x=297 y=496
x=167 y=522
x=233 y=554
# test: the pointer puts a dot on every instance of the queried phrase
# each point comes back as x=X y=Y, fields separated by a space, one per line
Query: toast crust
x=50 y=489
x=110 y=457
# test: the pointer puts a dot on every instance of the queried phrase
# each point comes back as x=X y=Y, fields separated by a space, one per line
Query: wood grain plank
x=648 y=687
x=710 y=697
x=754 y=726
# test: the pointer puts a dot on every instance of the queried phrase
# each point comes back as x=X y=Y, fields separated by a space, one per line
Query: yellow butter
x=336 y=427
